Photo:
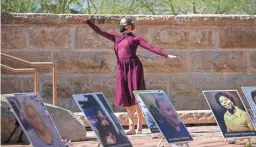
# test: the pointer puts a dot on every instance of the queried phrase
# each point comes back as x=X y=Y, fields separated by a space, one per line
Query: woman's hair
x=253 y=93
x=128 y=21
x=219 y=94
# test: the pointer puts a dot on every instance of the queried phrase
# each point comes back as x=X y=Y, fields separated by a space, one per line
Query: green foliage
x=152 y=7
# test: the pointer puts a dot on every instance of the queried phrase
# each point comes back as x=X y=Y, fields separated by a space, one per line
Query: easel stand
x=98 y=145
x=235 y=140
x=156 y=135
x=173 y=144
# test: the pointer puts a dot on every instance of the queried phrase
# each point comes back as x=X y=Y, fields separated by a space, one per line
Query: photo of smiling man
x=165 y=116
x=35 y=120
x=230 y=113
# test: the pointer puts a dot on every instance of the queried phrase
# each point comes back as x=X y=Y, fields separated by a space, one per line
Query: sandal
x=139 y=132
x=130 y=132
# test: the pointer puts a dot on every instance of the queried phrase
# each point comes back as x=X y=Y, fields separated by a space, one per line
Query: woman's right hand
x=82 y=19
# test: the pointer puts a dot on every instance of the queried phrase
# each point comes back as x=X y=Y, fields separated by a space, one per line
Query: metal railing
x=24 y=70
x=36 y=64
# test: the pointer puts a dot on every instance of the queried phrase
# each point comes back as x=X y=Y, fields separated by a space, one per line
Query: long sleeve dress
x=130 y=74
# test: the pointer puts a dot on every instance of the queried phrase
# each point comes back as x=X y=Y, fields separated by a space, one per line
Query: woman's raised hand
x=172 y=56
x=176 y=58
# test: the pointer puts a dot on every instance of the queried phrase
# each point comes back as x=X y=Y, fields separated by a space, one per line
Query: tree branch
x=194 y=7
x=94 y=6
x=172 y=7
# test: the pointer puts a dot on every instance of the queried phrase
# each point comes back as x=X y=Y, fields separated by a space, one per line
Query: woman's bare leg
x=131 y=113
x=140 y=118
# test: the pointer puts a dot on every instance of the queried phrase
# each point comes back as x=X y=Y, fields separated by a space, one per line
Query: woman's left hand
x=172 y=56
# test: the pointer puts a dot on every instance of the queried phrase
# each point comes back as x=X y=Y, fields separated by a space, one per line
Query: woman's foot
x=139 y=129
x=130 y=132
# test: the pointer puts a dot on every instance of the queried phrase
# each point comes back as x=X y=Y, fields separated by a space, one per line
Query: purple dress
x=130 y=75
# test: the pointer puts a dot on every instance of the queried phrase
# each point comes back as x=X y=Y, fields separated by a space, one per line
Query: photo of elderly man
x=165 y=116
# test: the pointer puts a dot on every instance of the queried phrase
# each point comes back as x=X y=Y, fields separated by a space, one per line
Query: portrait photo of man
x=35 y=121
x=174 y=127
x=147 y=116
x=165 y=116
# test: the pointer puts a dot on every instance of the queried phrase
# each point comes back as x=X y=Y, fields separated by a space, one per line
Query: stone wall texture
x=216 y=51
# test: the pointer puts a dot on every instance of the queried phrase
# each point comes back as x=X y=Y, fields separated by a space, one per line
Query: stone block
x=189 y=103
x=84 y=62
x=156 y=64
x=193 y=84
x=78 y=84
x=68 y=104
x=203 y=38
x=186 y=87
x=182 y=37
x=191 y=117
x=166 y=37
x=197 y=117
x=14 y=37
x=143 y=31
x=181 y=85
x=219 y=61
x=68 y=126
x=238 y=37
x=245 y=80
x=157 y=82
x=16 y=84
x=50 y=37
x=252 y=62
x=8 y=121
x=86 y=38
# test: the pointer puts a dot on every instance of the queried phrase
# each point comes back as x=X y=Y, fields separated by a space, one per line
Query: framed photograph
x=230 y=113
x=102 y=120
x=34 y=119
x=164 y=115
x=146 y=114
x=250 y=94
x=252 y=116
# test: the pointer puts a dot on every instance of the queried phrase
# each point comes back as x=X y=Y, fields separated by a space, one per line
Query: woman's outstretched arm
x=107 y=35
x=151 y=48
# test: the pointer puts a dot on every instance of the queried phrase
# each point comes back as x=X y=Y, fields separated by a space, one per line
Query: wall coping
x=170 y=20
x=189 y=117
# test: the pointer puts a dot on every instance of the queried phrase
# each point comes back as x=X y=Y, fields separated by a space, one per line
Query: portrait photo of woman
x=235 y=118
x=230 y=113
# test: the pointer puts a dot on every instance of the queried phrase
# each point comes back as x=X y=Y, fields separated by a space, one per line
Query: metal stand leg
x=155 y=136
x=245 y=141
x=180 y=145
x=160 y=141
x=230 y=141
x=250 y=142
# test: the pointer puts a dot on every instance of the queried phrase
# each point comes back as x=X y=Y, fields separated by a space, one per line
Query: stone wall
x=217 y=52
